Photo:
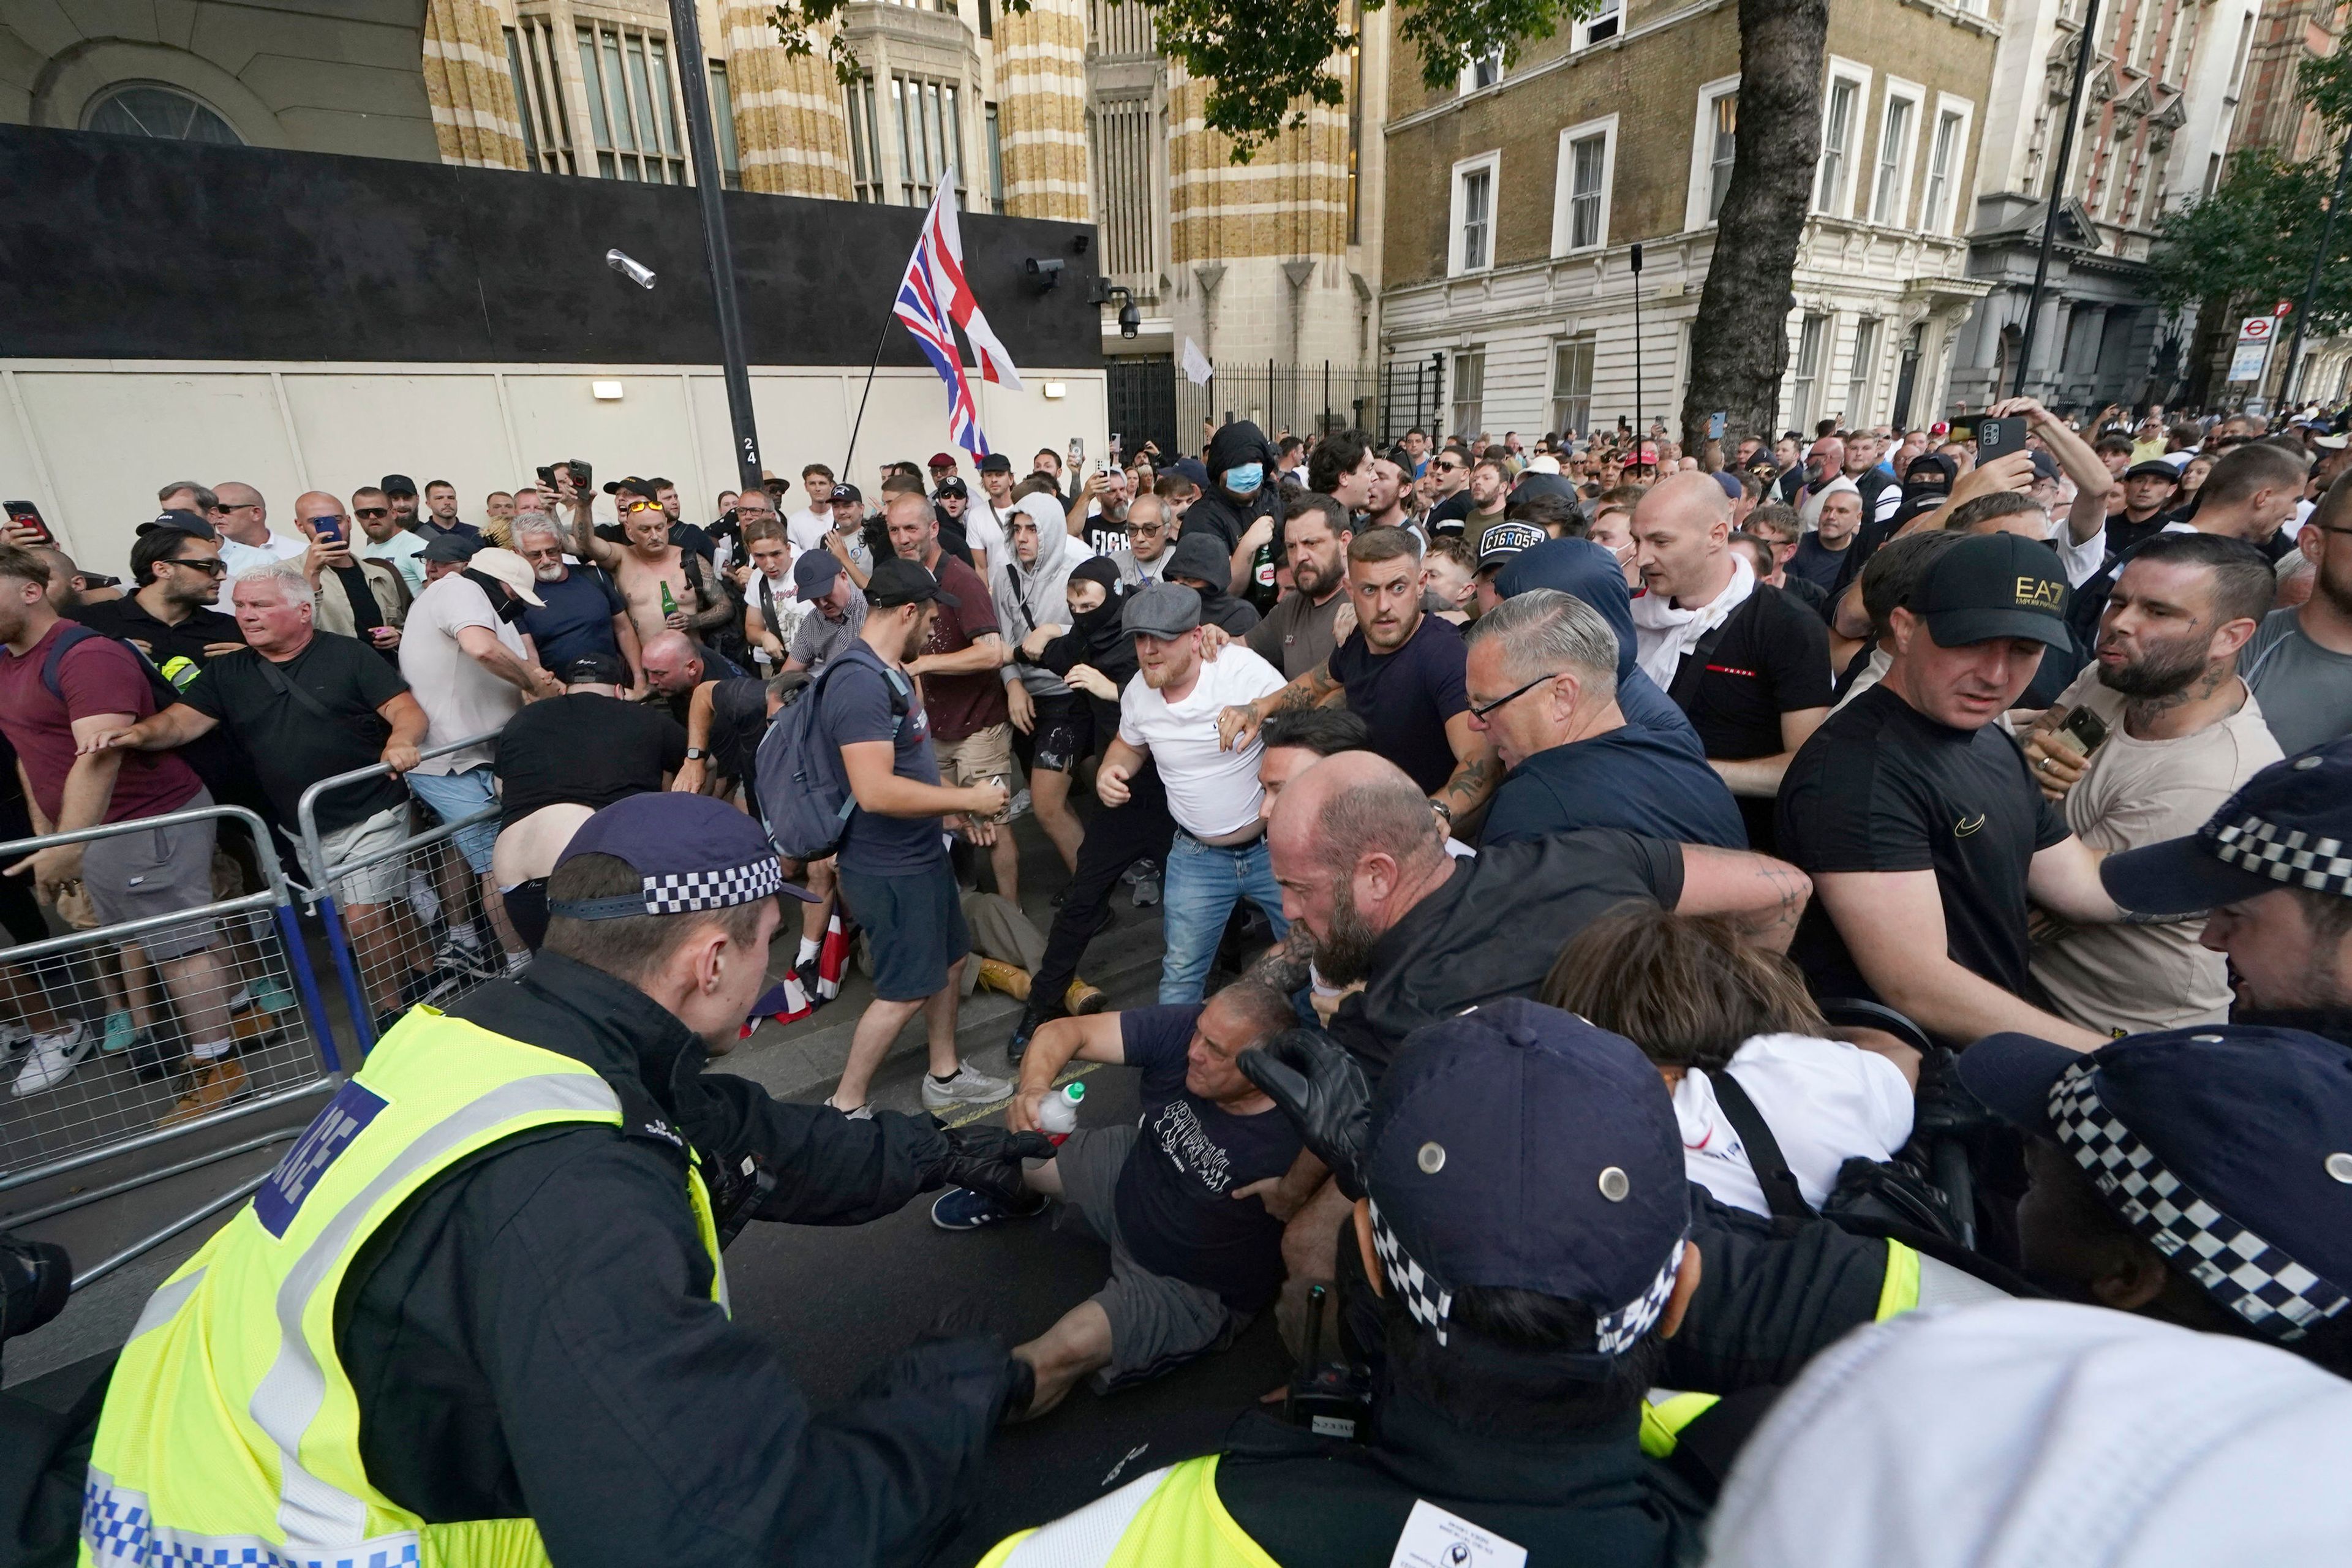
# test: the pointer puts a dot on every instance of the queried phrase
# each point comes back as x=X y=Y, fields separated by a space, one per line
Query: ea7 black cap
x=1994 y=585
x=2228 y=1148
x=2290 y=826
x=896 y=582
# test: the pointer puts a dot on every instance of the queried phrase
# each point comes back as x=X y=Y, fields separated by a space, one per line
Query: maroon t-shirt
x=97 y=675
x=962 y=705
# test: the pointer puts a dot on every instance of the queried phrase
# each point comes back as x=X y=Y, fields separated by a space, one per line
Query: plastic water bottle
x=1059 y=1115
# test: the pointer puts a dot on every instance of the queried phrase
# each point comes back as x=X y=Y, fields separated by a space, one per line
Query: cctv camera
x=630 y=267
x=1044 y=272
x=1130 y=320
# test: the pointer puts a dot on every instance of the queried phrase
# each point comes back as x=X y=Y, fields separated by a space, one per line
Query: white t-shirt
x=985 y=529
x=239 y=558
x=806 y=529
x=1825 y=1101
x=460 y=698
x=1211 y=792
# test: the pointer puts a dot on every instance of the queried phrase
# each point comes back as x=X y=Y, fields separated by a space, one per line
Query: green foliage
x=1266 y=62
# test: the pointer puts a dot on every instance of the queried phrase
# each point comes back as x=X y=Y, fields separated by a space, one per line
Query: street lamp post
x=686 y=37
x=2086 y=44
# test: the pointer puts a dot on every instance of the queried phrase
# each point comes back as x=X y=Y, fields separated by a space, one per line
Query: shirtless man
x=649 y=563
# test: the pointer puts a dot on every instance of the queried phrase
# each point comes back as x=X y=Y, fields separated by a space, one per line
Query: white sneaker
x=863 y=1113
x=53 y=1058
x=968 y=1087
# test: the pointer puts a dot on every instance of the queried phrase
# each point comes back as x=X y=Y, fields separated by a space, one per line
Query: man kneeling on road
x=1194 y=1252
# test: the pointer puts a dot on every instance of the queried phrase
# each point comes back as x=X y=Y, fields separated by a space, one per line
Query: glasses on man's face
x=545 y=552
x=365 y=512
x=209 y=567
x=1449 y=466
x=635 y=507
x=1480 y=712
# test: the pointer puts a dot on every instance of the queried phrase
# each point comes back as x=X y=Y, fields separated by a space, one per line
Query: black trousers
x=1116 y=837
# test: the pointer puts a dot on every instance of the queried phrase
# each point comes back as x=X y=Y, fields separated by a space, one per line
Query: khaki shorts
x=980 y=756
x=379 y=881
x=151 y=872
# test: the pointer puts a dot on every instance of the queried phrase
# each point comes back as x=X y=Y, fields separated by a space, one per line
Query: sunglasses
x=193 y=564
x=367 y=512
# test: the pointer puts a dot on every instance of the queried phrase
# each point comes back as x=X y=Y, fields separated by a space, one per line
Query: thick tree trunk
x=2211 y=340
x=1740 y=344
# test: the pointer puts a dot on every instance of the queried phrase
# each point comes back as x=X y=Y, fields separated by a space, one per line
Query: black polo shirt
x=1771 y=657
x=1882 y=787
x=128 y=618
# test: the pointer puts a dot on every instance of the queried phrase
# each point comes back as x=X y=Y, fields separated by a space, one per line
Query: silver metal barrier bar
x=306 y=810
x=235 y=1194
x=237 y=1112
x=149 y=1178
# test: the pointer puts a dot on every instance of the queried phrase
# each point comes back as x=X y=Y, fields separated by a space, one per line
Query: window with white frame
x=1485 y=70
x=1571 y=382
x=1603 y=24
x=865 y=143
x=723 y=125
x=1840 y=118
x=1469 y=390
x=631 y=106
x=1945 y=154
x=1890 y=189
x=1805 y=377
x=1580 y=219
x=930 y=138
x=1723 y=130
x=1473 y=227
x=1863 y=373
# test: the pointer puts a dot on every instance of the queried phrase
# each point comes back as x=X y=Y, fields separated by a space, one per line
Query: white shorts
x=380 y=881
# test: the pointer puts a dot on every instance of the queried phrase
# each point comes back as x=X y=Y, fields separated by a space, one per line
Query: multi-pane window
x=930 y=138
x=1486 y=70
x=1943 y=165
x=865 y=143
x=632 y=111
x=722 y=128
x=1886 y=198
x=1837 y=143
x=995 y=162
x=1723 y=125
x=539 y=95
x=1605 y=23
x=1571 y=382
x=1805 y=377
x=1865 y=370
x=1587 y=178
x=1123 y=130
x=1477 y=218
x=1469 y=390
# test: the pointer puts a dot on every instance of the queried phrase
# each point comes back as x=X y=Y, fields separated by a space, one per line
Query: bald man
x=245 y=537
x=357 y=597
x=675 y=664
x=1748 y=664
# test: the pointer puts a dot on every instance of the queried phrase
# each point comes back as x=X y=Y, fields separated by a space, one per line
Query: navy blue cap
x=178 y=520
x=1518 y=1147
x=897 y=582
x=692 y=852
x=996 y=463
x=814 y=572
x=2228 y=1148
x=449 y=546
x=1191 y=468
x=2290 y=826
x=847 y=493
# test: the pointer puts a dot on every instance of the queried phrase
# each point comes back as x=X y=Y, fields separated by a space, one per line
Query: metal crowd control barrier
x=394 y=964
x=251 y=982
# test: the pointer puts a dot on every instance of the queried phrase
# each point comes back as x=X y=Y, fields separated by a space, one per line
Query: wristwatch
x=1438 y=806
x=696 y=753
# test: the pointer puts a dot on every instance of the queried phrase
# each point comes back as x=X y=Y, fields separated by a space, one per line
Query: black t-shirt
x=1405 y=698
x=1644 y=780
x=1882 y=787
x=1447 y=516
x=1175 y=1204
x=290 y=746
x=584 y=747
x=1816 y=564
x=127 y=618
x=1772 y=657
x=738 y=718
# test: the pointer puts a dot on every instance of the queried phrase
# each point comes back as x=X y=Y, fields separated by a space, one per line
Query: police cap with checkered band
x=2290 y=826
x=1517 y=1147
x=690 y=852
x=2229 y=1148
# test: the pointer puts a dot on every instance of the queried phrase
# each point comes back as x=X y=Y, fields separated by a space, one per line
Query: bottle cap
x=1073 y=1092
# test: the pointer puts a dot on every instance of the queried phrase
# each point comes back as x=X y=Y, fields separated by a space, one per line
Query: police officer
x=478 y=1313
x=2271 y=877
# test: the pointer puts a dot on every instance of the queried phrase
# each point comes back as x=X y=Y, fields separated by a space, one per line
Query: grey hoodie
x=1027 y=597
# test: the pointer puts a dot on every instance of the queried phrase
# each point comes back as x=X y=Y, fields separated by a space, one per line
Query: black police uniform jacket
x=536 y=1337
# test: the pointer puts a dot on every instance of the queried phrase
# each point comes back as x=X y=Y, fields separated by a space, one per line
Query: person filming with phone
x=2143 y=747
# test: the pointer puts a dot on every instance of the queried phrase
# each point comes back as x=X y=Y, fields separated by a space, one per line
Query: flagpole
x=887 y=317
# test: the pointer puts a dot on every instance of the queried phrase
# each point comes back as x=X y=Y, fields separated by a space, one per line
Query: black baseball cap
x=1517 y=1147
x=692 y=852
x=449 y=546
x=996 y=463
x=1502 y=543
x=814 y=572
x=1994 y=585
x=2228 y=1148
x=631 y=483
x=398 y=485
x=2153 y=468
x=845 y=492
x=897 y=582
x=2287 y=827
x=180 y=520
x=952 y=486
x=597 y=668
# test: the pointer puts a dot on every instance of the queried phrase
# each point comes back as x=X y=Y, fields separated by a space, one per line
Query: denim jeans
x=1202 y=886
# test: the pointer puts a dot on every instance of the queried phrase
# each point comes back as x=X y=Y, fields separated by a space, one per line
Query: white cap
x=1543 y=463
x=2040 y=1435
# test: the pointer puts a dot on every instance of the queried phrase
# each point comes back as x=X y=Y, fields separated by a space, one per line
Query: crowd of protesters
x=1895 y=878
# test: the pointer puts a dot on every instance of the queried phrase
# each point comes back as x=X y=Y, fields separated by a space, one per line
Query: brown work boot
x=216 y=1083
x=1082 y=999
x=1009 y=978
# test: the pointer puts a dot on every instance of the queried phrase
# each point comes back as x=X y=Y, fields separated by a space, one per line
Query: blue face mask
x=1245 y=479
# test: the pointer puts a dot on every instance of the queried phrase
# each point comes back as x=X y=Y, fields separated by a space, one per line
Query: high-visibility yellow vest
x=231 y=1432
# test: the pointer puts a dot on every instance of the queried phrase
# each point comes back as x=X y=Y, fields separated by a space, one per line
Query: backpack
x=804 y=791
x=73 y=637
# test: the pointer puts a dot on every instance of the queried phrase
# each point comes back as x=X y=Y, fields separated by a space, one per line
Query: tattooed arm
x=1760 y=896
x=1476 y=771
x=1238 y=724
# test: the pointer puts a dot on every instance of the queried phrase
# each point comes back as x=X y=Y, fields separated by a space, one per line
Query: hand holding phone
x=1999 y=437
x=25 y=515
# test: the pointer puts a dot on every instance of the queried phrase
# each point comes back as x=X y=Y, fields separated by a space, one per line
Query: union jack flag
x=934 y=299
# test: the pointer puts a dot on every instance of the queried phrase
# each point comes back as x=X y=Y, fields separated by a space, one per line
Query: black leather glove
x=1946 y=1107
x=35 y=1278
x=1321 y=1089
x=988 y=1160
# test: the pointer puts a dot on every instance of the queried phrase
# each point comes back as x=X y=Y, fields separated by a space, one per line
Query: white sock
x=466 y=934
x=516 y=963
x=809 y=946
x=210 y=1050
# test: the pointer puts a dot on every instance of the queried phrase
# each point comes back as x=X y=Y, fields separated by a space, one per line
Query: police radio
x=1330 y=1401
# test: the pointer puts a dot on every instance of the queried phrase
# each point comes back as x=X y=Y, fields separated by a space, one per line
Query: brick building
x=2270 y=115
x=1514 y=200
